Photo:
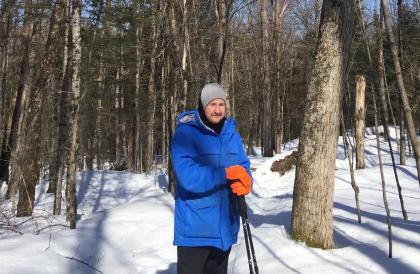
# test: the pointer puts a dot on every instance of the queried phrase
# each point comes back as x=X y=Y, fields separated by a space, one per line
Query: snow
x=126 y=224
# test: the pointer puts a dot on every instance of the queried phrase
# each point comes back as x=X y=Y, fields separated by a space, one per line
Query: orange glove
x=240 y=188
x=242 y=180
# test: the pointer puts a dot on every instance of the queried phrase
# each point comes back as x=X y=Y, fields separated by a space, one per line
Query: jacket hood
x=192 y=118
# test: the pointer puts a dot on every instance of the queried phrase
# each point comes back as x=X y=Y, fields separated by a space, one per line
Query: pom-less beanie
x=210 y=92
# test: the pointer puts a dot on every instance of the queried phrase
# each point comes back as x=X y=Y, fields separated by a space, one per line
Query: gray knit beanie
x=210 y=92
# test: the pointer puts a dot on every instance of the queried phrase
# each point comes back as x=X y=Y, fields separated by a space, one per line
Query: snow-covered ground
x=126 y=225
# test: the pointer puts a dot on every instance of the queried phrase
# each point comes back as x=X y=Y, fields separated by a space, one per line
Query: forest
x=96 y=85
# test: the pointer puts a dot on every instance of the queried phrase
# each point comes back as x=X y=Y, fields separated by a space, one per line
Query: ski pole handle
x=242 y=207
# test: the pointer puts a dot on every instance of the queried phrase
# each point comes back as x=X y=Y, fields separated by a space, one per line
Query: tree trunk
x=232 y=83
x=9 y=140
x=385 y=120
x=164 y=136
x=29 y=155
x=91 y=142
x=178 y=56
x=5 y=22
x=402 y=123
x=151 y=92
x=61 y=111
x=381 y=69
x=403 y=143
x=403 y=93
x=139 y=70
x=378 y=144
x=312 y=220
x=381 y=168
x=63 y=118
x=352 y=176
x=222 y=17
x=74 y=113
x=360 y=114
x=171 y=119
x=98 y=123
x=185 y=49
x=266 y=132
x=118 y=110
x=129 y=136
x=388 y=98
x=278 y=75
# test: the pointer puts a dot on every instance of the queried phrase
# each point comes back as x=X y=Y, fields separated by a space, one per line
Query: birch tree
x=74 y=113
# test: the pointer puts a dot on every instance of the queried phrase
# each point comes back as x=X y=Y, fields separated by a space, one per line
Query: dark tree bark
x=9 y=140
x=63 y=118
x=266 y=90
x=5 y=26
x=138 y=90
x=151 y=91
x=29 y=154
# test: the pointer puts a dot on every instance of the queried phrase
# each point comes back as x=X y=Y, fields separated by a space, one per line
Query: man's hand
x=242 y=180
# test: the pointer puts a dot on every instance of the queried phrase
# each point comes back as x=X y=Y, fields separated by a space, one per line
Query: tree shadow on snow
x=90 y=248
x=413 y=226
x=85 y=179
x=283 y=218
x=342 y=239
x=89 y=244
x=372 y=252
x=273 y=253
x=102 y=197
x=405 y=171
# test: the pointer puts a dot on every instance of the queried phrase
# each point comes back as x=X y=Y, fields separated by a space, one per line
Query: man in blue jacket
x=210 y=168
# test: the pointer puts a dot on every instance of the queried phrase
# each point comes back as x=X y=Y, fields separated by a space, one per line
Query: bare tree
x=360 y=113
x=222 y=11
x=381 y=168
x=74 y=112
x=386 y=128
x=9 y=140
x=63 y=117
x=312 y=220
x=139 y=69
x=5 y=26
x=378 y=143
x=352 y=175
x=266 y=89
x=279 y=74
x=401 y=86
x=27 y=153
x=151 y=92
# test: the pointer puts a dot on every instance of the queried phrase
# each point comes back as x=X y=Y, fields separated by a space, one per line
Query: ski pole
x=252 y=262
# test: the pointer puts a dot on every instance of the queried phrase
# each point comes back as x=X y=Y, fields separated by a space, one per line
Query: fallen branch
x=11 y=228
x=66 y=226
x=82 y=262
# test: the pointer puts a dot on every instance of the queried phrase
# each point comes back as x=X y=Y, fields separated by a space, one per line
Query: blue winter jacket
x=205 y=209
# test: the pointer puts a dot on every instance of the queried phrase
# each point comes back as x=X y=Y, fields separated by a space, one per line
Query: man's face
x=215 y=111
